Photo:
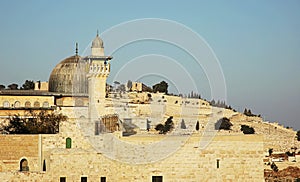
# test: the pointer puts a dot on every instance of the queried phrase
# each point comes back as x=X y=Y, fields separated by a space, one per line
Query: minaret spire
x=76 y=51
x=97 y=33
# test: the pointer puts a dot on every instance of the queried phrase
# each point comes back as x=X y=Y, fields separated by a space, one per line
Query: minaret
x=98 y=72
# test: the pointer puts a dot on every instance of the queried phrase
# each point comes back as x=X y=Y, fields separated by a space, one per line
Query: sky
x=255 y=42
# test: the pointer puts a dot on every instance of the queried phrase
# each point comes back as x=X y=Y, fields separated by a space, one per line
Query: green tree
x=28 y=85
x=42 y=122
x=270 y=151
x=223 y=124
x=13 y=86
x=129 y=85
x=182 y=125
x=247 y=129
x=161 y=87
x=2 y=87
x=197 y=126
x=168 y=126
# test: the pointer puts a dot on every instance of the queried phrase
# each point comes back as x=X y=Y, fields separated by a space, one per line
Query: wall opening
x=157 y=179
x=68 y=143
x=62 y=179
x=218 y=163
x=24 y=165
x=103 y=179
x=83 y=179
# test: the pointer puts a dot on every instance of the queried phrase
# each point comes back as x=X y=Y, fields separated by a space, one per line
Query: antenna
x=76 y=51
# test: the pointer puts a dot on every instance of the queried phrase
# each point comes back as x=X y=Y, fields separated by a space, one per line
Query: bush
x=168 y=126
x=223 y=124
x=247 y=129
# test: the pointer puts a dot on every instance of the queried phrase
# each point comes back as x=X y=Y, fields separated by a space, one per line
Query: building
x=90 y=145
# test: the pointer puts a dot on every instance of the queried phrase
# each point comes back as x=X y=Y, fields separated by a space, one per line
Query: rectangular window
x=218 y=163
x=157 y=179
x=83 y=179
x=62 y=179
x=103 y=179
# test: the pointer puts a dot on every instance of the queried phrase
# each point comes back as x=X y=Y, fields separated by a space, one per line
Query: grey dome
x=69 y=76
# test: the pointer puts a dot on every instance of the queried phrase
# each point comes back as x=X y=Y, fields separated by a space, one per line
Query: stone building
x=84 y=151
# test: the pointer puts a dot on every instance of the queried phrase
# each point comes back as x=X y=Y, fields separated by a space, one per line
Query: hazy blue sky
x=256 y=42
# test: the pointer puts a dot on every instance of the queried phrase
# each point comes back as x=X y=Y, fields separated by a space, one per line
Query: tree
x=270 y=151
x=28 y=85
x=129 y=85
x=298 y=135
x=182 y=125
x=13 y=86
x=223 y=124
x=2 y=87
x=247 y=129
x=197 y=126
x=42 y=122
x=161 y=87
x=168 y=126
x=274 y=167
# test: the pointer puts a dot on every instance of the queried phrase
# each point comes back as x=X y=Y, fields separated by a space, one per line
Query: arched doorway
x=24 y=165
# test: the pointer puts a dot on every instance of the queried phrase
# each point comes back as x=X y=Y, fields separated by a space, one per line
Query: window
x=36 y=104
x=68 y=143
x=46 y=104
x=5 y=104
x=218 y=163
x=103 y=179
x=157 y=178
x=62 y=179
x=83 y=179
x=17 y=104
x=27 y=104
x=24 y=165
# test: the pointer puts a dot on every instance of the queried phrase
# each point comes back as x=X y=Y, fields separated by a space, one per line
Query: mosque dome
x=97 y=42
x=69 y=76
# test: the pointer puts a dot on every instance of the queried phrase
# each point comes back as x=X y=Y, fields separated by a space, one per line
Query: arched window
x=27 y=104
x=79 y=102
x=68 y=143
x=17 y=104
x=36 y=104
x=5 y=104
x=24 y=165
x=46 y=104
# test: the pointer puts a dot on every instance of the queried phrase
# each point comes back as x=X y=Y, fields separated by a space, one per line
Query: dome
x=97 y=42
x=69 y=76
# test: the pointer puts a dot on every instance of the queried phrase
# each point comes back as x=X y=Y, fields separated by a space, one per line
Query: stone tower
x=98 y=72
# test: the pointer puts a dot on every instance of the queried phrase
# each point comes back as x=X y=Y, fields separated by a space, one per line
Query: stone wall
x=240 y=159
x=14 y=148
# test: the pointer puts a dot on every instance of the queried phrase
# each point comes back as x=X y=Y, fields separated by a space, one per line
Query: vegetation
x=270 y=151
x=223 y=124
x=161 y=87
x=247 y=129
x=274 y=167
x=220 y=104
x=129 y=85
x=194 y=95
x=182 y=124
x=168 y=126
x=2 y=87
x=42 y=122
x=197 y=126
x=248 y=112
x=28 y=85
x=13 y=86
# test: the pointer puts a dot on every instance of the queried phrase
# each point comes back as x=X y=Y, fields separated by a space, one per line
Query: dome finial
x=76 y=51
x=97 y=33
